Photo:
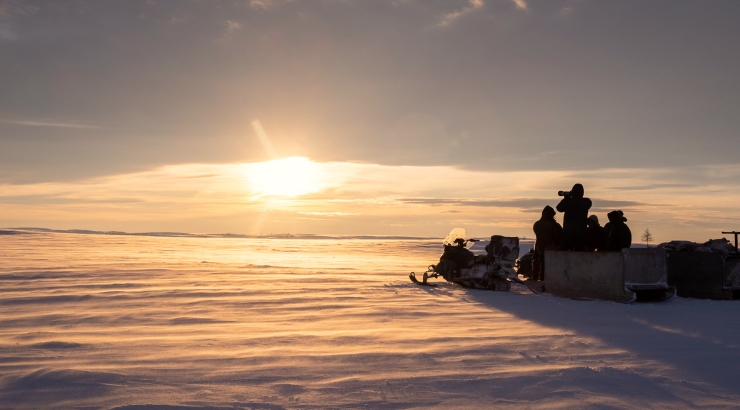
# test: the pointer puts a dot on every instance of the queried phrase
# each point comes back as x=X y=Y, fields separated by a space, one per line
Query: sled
x=705 y=275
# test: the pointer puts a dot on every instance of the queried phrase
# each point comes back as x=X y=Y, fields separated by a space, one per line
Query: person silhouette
x=575 y=215
x=549 y=236
x=596 y=236
x=620 y=236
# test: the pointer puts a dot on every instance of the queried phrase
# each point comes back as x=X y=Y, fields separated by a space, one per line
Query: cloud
x=472 y=6
x=317 y=213
x=528 y=203
x=10 y=7
x=42 y=123
x=568 y=8
x=522 y=203
x=232 y=26
x=653 y=186
x=262 y=4
x=356 y=198
x=520 y=4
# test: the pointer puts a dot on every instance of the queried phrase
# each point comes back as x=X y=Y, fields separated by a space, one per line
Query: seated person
x=608 y=226
x=620 y=236
x=596 y=236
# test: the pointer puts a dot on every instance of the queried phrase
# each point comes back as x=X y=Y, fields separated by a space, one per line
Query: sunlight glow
x=286 y=177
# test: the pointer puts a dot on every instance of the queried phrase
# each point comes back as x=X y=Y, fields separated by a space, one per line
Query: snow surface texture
x=95 y=321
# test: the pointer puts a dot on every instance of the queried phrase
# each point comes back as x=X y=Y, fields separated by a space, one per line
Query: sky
x=399 y=117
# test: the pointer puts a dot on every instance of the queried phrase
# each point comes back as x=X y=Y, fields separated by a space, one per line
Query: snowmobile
x=492 y=271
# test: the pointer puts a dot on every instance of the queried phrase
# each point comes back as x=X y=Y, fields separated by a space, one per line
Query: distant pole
x=736 y=234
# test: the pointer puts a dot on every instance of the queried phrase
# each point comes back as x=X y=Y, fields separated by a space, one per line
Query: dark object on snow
x=620 y=236
x=709 y=270
x=412 y=276
x=493 y=271
x=453 y=258
x=706 y=275
x=575 y=209
x=524 y=264
x=504 y=247
x=721 y=246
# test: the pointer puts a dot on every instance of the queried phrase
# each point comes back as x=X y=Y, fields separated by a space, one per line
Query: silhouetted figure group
x=579 y=232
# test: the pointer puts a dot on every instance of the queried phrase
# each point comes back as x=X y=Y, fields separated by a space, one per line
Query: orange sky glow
x=297 y=195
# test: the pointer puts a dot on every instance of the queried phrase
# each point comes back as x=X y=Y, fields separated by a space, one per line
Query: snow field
x=96 y=321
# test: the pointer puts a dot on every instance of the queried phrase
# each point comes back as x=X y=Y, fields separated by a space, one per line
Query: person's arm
x=559 y=236
x=609 y=240
x=563 y=205
x=587 y=203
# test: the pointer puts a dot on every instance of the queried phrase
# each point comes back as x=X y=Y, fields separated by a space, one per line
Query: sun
x=286 y=177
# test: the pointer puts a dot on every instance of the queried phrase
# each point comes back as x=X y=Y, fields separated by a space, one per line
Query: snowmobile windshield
x=453 y=236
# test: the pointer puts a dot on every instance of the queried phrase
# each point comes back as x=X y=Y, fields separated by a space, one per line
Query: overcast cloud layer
x=99 y=87
x=637 y=100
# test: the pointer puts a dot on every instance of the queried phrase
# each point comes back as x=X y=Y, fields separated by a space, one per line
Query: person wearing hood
x=608 y=227
x=575 y=209
x=596 y=236
x=549 y=237
x=620 y=236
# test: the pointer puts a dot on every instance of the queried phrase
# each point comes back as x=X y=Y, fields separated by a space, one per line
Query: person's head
x=548 y=212
x=616 y=217
x=577 y=191
x=593 y=221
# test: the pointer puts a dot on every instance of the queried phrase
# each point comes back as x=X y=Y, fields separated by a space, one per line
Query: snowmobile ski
x=412 y=276
x=528 y=285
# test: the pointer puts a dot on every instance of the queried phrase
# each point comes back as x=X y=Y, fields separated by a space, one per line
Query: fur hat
x=622 y=214
x=616 y=217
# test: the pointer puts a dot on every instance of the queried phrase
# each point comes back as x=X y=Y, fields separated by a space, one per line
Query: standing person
x=596 y=236
x=575 y=209
x=549 y=236
x=620 y=236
